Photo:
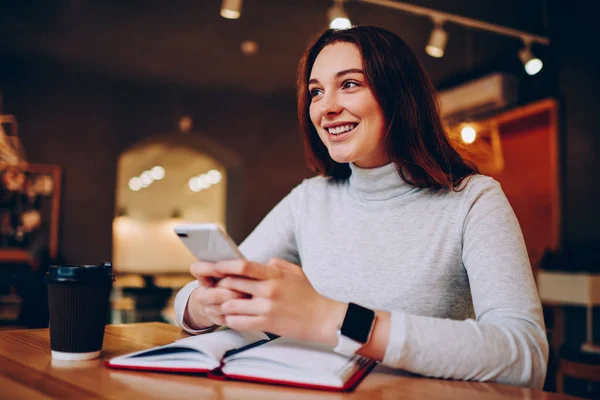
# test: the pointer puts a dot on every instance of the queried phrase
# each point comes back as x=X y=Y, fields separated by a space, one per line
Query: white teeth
x=340 y=129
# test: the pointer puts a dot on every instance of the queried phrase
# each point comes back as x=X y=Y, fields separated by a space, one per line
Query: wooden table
x=28 y=372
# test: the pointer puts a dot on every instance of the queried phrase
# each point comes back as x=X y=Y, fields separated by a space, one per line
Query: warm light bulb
x=146 y=178
x=231 y=9
x=214 y=176
x=185 y=124
x=135 y=184
x=531 y=63
x=533 y=66
x=249 y=47
x=338 y=18
x=157 y=173
x=340 y=23
x=434 y=52
x=194 y=185
x=437 y=42
x=204 y=181
x=468 y=134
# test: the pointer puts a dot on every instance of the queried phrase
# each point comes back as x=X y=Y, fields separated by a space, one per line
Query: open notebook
x=251 y=356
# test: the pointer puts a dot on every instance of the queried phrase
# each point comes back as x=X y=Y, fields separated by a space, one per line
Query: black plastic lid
x=80 y=273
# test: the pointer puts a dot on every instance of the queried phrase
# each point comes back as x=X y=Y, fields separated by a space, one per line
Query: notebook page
x=292 y=360
x=194 y=351
x=217 y=343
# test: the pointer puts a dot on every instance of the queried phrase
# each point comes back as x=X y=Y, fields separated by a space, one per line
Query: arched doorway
x=143 y=238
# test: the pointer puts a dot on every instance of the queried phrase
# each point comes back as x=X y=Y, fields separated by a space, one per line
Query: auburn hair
x=415 y=138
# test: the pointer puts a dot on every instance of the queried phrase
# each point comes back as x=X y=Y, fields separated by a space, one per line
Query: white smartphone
x=208 y=242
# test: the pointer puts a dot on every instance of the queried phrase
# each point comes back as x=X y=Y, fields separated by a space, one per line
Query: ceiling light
x=532 y=64
x=194 y=185
x=135 y=184
x=468 y=134
x=185 y=124
x=214 y=176
x=157 y=173
x=231 y=9
x=249 y=47
x=338 y=18
x=437 y=41
x=203 y=181
x=146 y=177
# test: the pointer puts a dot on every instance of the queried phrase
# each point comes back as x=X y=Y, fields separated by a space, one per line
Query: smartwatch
x=355 y=330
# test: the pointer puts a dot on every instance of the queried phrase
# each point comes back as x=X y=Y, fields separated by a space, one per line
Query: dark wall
x=83 y=122
x=574 y=40
x=68 y=121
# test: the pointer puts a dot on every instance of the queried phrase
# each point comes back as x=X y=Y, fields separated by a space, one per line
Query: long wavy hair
x=415 y=138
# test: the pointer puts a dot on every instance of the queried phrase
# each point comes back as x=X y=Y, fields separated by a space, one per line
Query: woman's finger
x=207 y=282
x=245 y=322
x=284 y=265
x=214 y=310
x=251 y=287
x=211 y=296
x=254 y=306
x=201 y=270
x=215 y=316
x=248 y=269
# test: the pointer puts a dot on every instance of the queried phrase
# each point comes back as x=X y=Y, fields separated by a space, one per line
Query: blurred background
x=122 y=119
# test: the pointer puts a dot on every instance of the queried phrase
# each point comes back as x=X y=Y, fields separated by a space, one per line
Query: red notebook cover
x=350 y=384
x=259 y=357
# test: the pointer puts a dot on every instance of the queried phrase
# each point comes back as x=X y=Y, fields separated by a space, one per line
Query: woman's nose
x=330 y=104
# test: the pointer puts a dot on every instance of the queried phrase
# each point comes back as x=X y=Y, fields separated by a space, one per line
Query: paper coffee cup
x=78 y=298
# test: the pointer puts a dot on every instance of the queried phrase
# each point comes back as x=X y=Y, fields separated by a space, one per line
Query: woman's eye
x=350 y=84
x=315 y=92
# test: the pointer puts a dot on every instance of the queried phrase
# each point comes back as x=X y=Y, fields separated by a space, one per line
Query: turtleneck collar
x=381 y=183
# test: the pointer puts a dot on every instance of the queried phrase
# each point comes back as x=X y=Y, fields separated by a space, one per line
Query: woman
x=401 y=243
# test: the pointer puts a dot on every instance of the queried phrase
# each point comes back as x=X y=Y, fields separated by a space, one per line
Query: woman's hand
x=282 y=301
x=204 y=304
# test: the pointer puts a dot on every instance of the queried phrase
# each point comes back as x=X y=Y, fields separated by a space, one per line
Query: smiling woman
x=399 y=251
x=375 y=75
x=343 y=109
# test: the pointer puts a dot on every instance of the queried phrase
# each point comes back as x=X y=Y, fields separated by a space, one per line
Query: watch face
x=357 y=323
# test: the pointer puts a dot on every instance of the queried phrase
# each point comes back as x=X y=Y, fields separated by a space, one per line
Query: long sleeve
x=507 y=341
x=181 y=300
x=273 y=237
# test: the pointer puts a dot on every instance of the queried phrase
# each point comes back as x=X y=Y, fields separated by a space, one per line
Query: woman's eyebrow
x=349 y=71
x=341 y=73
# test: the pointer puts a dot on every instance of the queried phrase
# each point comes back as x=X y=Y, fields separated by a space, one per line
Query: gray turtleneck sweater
x=451 y=267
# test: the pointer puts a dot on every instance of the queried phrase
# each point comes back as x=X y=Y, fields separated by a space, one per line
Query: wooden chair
x=577 y=364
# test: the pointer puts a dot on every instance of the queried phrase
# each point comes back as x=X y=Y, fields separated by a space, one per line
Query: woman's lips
x=342 y=136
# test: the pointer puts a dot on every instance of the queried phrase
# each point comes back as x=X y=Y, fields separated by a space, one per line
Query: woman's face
x=343 y=109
